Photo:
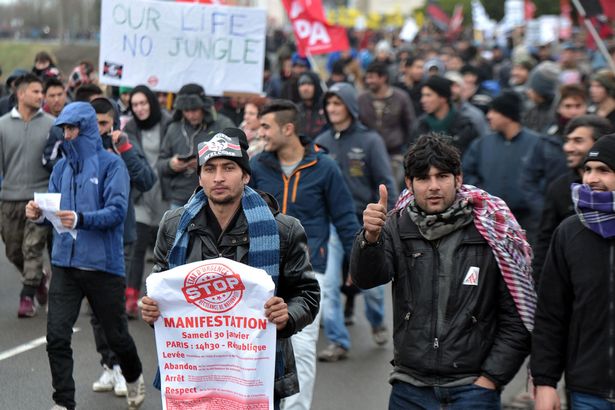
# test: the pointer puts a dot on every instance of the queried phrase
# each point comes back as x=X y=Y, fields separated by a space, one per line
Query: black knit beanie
x=439 y=85
x=603 y=150
x=230 y=143
x=508 y=104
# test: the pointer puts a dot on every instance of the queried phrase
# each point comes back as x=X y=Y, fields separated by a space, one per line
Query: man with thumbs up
x=459 y=336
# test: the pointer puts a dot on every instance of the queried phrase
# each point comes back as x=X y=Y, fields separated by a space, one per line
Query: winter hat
x=296 y=59
x=544 y=79
x=435 y=63
x=439 y=85
x=190 y=97
x=305 y=79
x=508 y=104
x=606 y=79
x=125 y=90
x=603 y=151
x=231 y=143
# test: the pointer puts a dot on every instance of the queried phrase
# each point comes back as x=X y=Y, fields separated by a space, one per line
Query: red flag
x=437 y=15
x=312 y=32
x=608 y=8
x=454 y=27
x=530 y=10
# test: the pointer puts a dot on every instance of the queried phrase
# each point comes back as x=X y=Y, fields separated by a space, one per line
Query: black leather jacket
x=482 y=333
x=297 y=285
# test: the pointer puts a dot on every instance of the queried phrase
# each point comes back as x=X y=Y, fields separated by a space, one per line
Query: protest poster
x=216 y=349
x=168 y=44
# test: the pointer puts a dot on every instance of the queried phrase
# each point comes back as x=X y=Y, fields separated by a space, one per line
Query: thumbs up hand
x=375 y=215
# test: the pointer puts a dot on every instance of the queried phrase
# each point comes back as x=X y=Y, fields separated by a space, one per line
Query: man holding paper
x=94 y=188
x=226 y=218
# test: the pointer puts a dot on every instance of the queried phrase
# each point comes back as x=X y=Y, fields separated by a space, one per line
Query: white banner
x=216 y=349
x=167 y=44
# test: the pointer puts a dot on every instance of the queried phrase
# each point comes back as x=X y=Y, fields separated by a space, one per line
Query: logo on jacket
x=94 y=180
x=471 y=278
x=213 y=287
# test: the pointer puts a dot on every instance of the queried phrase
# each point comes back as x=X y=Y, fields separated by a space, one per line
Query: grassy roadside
x=20 y=54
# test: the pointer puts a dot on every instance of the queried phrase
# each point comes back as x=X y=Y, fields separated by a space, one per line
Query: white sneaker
x=136 y=393
x=58 y=407
x=119 y=383
x=105 y=381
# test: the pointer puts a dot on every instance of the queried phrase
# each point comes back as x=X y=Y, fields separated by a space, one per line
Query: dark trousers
x=146 y=236
x=405 y=396
x=102 y=346
x=105 y=293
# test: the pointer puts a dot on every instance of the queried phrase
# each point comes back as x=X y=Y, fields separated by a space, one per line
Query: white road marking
x=27 y=346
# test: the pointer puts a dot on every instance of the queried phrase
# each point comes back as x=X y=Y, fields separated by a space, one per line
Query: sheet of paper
x=50 y=204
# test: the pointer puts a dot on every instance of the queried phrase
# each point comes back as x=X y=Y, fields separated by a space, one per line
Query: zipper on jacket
x=434 y=282
x=296 y=173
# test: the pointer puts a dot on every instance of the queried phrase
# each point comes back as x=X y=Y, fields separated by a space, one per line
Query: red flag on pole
x=314 y=35
x=455 y=28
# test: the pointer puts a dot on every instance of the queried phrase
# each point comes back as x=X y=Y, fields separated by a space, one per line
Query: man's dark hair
x=600 y=126
x=572 y=91
x=102 y=105
x=52 y=82
x=412 y=59
x=432 y=150
x=86 y=92
x=285 y=111
x=26 y=80
x=377 y=67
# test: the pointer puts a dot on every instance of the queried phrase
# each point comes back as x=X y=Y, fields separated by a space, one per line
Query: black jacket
x=574 y=328
x=296 y=284
x=558 y=206
x=482 y=333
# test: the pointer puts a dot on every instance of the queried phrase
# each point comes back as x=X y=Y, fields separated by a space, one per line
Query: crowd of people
x=478 y=179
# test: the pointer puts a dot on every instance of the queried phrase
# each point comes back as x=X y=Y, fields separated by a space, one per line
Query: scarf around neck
x=264 y=250
x=596 y=210
x=435 y=226
x=496 y=223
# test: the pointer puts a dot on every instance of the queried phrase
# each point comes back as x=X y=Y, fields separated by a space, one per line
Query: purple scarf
x=596 y=210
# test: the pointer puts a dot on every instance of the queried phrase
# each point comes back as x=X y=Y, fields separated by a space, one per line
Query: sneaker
x=27 y=308
x=136 y=393
x=380 y=335
x=332 y=353
x=132 y=307
x=58 y=407
x=119 y=383
x=106 y=380
x=42 y=291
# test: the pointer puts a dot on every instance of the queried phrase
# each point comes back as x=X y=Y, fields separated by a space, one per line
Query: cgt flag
x=312 y=32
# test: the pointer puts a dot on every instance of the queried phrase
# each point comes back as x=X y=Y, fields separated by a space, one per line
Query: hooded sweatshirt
x=311 y=114
x=95 y=184
x=359 y=152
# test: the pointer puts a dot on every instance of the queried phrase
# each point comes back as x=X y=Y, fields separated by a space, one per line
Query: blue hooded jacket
x=95 y=184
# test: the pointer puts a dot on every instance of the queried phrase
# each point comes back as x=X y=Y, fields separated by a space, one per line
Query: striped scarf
x=264 y=251
x=506 y=238
x=596 y=210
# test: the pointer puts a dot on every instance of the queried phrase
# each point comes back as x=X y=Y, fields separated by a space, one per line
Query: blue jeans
x=405 y=396
x=332 y=309
x=582 y=401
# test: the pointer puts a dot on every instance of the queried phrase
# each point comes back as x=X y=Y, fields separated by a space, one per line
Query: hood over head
x=348 y=94
x=83 y=116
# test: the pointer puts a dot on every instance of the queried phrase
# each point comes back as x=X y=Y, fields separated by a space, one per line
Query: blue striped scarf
x=264 y=251
x=596 y=210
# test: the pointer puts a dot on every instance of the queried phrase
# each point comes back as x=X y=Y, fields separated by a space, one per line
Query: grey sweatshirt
x=21 y=152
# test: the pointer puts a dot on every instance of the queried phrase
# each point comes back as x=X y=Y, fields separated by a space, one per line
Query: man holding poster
x=226 y=218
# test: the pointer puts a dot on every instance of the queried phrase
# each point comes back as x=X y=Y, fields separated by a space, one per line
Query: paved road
x=355 y=384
